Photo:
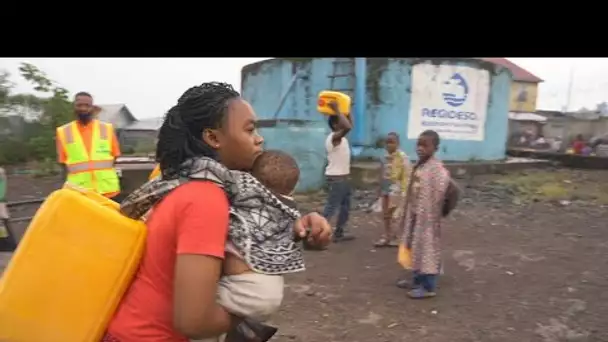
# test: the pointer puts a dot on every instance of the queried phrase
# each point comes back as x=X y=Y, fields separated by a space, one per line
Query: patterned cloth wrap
x=261 y=226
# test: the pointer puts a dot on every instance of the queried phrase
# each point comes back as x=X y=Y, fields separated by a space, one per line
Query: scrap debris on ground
x=524 y=261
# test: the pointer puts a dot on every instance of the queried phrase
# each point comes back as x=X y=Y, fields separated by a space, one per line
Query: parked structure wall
x=393 y=95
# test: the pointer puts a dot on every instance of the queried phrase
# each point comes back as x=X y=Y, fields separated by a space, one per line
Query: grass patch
x=555 y=186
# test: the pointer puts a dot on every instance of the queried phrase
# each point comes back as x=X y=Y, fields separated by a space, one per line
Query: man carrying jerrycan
x=88 y=148
x=337 y=171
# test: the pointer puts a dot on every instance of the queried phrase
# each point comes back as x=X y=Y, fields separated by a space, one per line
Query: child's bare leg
x=388 y=221
x=385 y=238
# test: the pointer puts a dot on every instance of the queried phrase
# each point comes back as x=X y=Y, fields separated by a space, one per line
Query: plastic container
x=326 y=96
x=70 y=271
x=155 y=173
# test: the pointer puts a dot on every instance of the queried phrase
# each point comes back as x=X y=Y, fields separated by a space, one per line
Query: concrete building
x=524 y=88
x=465 y=100
x=568 y=125
x=134 y=135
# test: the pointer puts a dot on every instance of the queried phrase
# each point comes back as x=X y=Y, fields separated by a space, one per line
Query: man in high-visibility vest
x=88 y=149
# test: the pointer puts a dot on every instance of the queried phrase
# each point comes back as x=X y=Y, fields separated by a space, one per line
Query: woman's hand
x=314 y=228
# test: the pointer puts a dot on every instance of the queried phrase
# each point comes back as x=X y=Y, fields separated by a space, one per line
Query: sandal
x=394 y=242
x=404 y=284
x=382 y=242
x=420 y=293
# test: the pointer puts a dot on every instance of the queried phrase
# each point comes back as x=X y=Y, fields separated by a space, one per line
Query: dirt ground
x=525 y=260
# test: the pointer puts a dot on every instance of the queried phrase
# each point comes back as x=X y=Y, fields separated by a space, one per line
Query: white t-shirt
x=338 y=157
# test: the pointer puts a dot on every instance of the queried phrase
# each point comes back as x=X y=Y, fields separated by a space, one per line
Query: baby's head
x=277 y=171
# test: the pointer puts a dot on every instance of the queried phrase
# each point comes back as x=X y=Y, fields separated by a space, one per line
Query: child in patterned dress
x=393 y=184
x=426 y=206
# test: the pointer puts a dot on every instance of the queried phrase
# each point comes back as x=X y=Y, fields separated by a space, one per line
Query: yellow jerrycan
x=70 y=270
x=327 y=96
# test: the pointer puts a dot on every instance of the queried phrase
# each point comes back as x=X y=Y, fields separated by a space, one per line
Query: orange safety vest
x=92 y=169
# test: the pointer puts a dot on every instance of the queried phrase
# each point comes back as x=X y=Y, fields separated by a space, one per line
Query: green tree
x=49 y=103
x=12 y=147
x=5 y=87
x=55 y=110
x=10 y=101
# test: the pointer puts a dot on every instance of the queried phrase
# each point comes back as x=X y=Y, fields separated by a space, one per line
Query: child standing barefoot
x=422 y=220
x=393 y=183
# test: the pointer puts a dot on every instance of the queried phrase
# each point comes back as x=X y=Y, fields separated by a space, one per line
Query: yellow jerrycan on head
x=70 y=270
x=327 y=96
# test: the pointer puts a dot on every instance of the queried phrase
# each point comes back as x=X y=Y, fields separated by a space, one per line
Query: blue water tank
x=466 y=100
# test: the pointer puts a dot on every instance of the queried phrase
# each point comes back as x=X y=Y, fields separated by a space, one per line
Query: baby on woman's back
x=261 y=246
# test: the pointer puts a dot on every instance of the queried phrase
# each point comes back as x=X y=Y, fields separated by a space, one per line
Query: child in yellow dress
x=393 y=185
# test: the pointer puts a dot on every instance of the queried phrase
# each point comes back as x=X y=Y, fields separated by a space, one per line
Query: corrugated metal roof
x=519 y=73
x=149 y=124
x=526 y=117
x=110 y=113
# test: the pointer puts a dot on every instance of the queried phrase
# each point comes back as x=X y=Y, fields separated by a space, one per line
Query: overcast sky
x=150 y=86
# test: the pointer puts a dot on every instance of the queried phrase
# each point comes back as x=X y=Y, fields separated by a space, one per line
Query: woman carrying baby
x=173 y=294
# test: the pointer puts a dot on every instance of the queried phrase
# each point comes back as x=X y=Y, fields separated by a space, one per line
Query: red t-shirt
x=192 y=219
x=578 y=146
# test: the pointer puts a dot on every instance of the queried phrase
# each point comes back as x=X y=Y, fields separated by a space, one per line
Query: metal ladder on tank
x=344 y=68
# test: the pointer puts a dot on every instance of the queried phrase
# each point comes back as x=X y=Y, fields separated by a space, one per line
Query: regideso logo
x=455 y=90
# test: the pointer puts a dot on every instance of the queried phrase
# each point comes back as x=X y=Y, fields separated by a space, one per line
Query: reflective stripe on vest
x=92 y=169
x=84 y=167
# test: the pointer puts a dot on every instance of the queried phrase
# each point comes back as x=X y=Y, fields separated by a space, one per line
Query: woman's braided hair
x=180 y=136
